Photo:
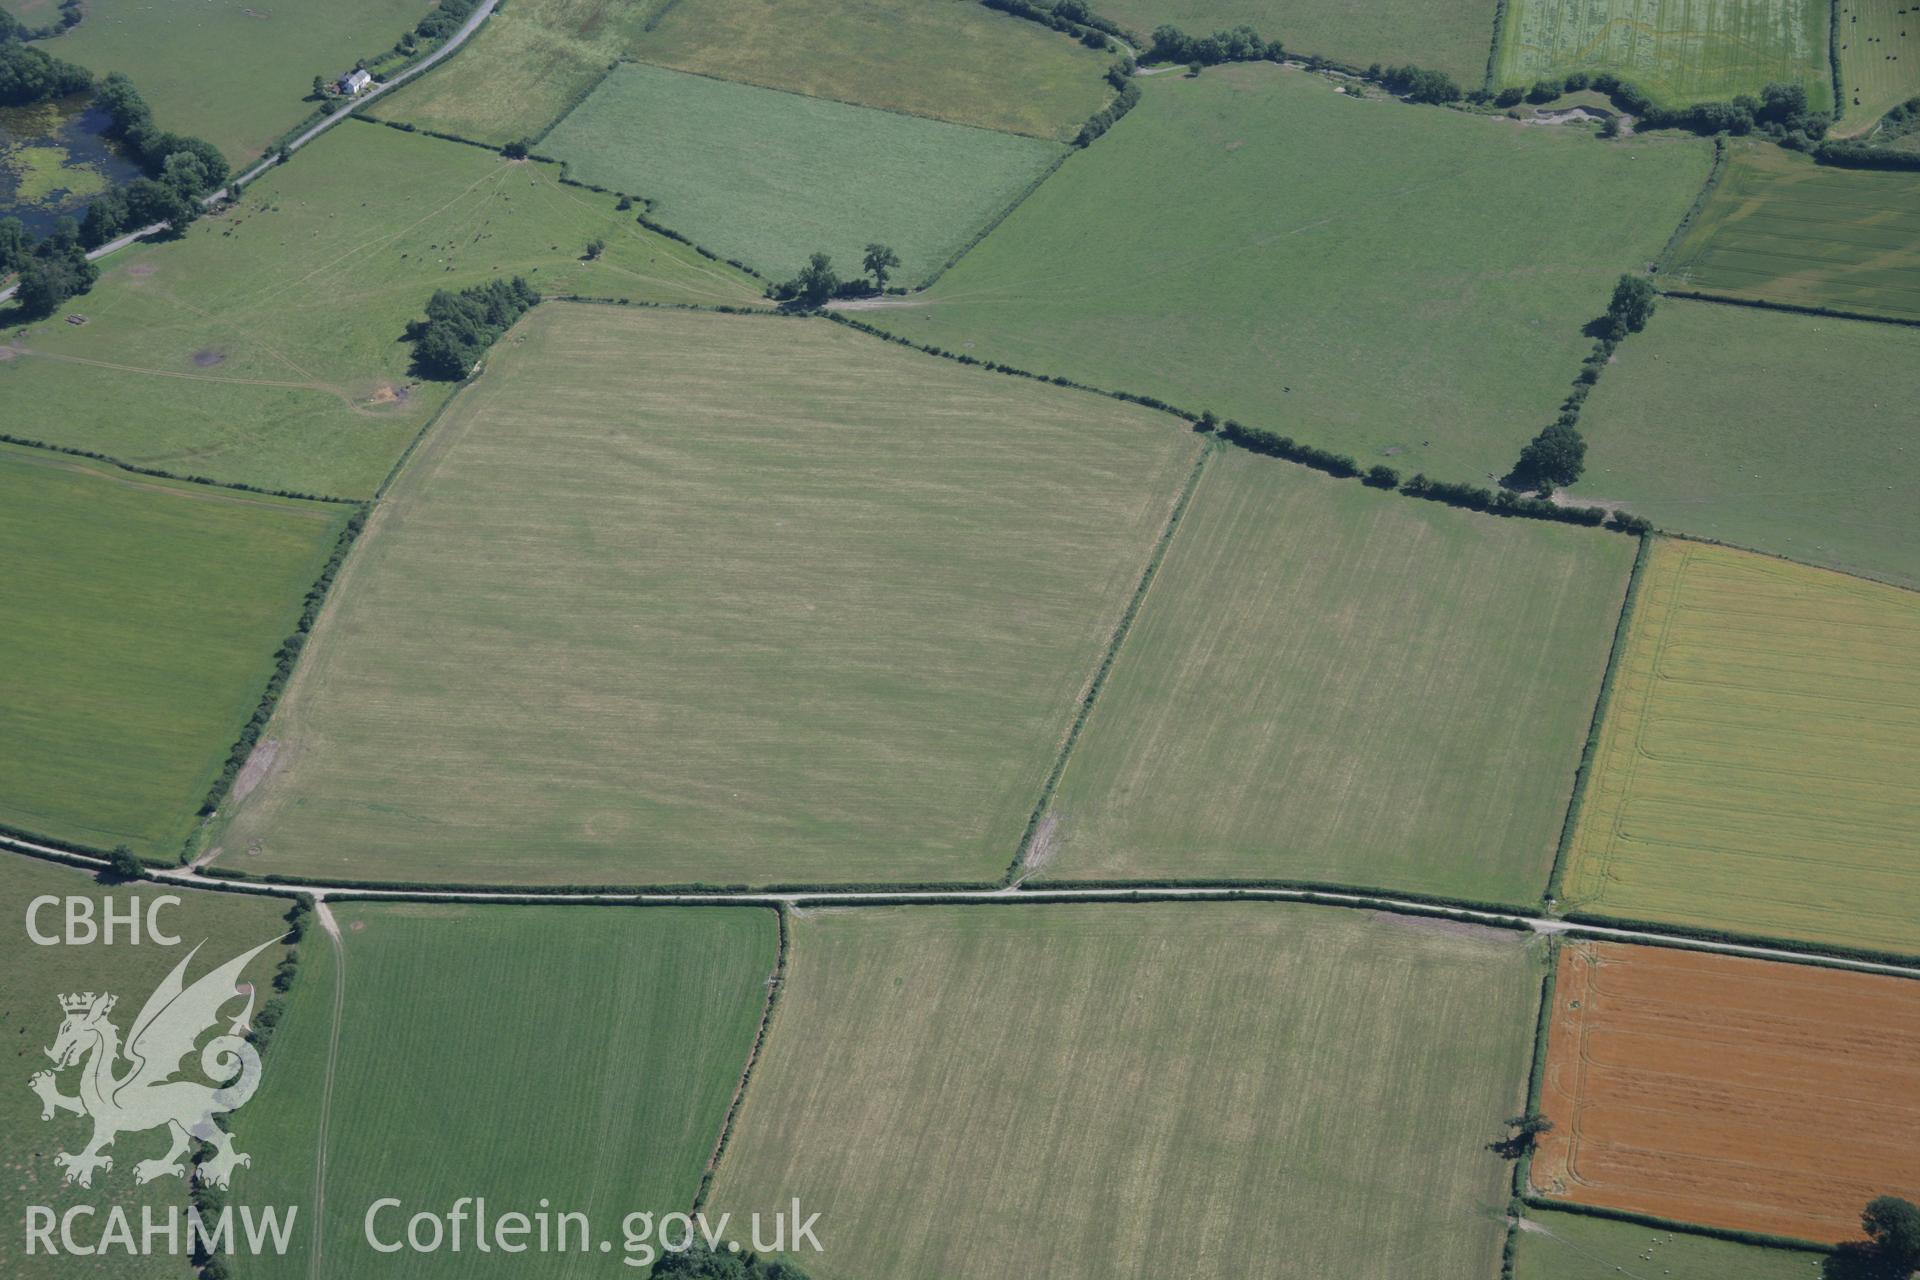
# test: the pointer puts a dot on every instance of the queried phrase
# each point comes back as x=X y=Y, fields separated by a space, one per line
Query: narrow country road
x=454 y=41
x=186 y=878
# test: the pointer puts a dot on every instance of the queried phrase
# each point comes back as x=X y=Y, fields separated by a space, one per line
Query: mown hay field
x=949 y=59
x=1258 y=1089
x=1446 y=35
x=1329 y=683
x=1755 y=761
x=224 y=926
x=1678 y=51
x=1788 y=433
x=1578 y=1246
x=671 y=597
x=575 y=1059
x=142 y=620
x=1250 y=241
x=1879 y=60
x=769 y=177
x=234 y=73
x=531 y=63
x=1780 y=228
x=1729 y=1092
x=266 y=346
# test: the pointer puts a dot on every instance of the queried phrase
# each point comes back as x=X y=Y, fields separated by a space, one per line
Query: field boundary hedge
x=159 y=474
x=1729 y=1234
x=1505 y=503
x=285 y=659
x=1493 y=52
x=1502 y=916
x=1155 y=556
x=1793 y=308
x=1714 y=174
x=566 y=179
x=1833 y=61
x=1537 y=1067
x=1857 y=155
x=1583 y=774
x=1687 y=937
x=994 y=222
x=580 y=96
x=775 y=985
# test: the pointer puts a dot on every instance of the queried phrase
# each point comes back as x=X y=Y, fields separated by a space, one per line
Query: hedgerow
x=283 y=664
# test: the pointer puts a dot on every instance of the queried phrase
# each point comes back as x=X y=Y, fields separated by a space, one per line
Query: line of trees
x=1241 y=44
x=818 y=283
x=1070 y=17
x=699 y=1262
x=1120 y=76
x=1557 y=456
x=1780 y=111
x=460 y=327
x=1417 y=83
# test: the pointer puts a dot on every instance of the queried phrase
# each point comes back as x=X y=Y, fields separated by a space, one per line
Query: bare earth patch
x=208 y=357
x=257 y=766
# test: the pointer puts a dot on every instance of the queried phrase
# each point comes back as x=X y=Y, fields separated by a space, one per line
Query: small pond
x=54 y=159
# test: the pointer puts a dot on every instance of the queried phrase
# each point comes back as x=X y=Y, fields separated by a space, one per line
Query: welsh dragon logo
x=144 y=1094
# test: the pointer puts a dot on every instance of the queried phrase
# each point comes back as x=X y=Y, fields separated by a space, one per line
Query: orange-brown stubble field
x=1730 y=1092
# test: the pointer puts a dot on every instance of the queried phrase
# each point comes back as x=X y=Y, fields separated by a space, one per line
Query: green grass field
x=1787 y=433
x=265 y=347
x=524 y=69
x=1255 y=243
x=580 y=1058
x=1255 y=1089
x=1678 y=51
x=765 y=600
x=949 y=59
x=142 y=620
x=1330 y=684
x=1575 y=1246
x=1879 y=60
x=1753 y=765
x=1446 y=35
x=236 y=74
x=1780 y=228
x=30 y=1015
x=769 y=177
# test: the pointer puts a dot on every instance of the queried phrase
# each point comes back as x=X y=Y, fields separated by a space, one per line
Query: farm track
x=1006 y=894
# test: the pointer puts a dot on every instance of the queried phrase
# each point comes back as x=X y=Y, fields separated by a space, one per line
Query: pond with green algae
x=54 y=158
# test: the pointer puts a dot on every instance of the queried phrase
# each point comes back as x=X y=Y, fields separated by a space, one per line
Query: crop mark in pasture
x=1730 y=1092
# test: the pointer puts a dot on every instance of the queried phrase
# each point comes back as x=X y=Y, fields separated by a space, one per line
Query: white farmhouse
x=354 y=81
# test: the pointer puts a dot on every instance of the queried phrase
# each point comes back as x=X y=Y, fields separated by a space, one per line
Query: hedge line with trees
x=1858 y=155
x=1070 y=17
x=1781 y=111
x=12 y=29
x=818 y=283
x=1126 y=97
x=283 y=663
x=460 y=327
x=1241 y=44
x=1558 y=454
x=1503 y=502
